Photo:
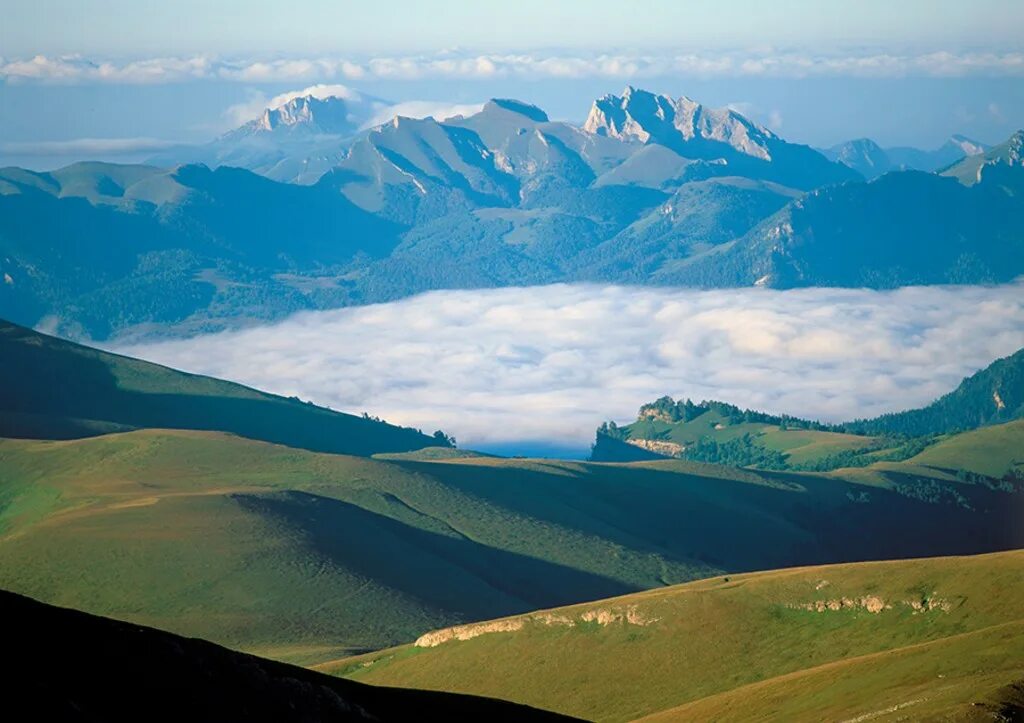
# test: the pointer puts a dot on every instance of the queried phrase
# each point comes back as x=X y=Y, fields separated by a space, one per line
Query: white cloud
x=257 y=102
x=365 y=110
x=86 y=146
x=438 y=110
x=767 y=63
x=320 y=91
x=550 y=363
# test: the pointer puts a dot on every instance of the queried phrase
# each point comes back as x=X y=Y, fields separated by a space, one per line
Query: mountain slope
x=991 y=396
x=931 y=637
x=697 y=132
x=99 y=249
x=54 y=389
x=903 y=228
x=974 y=168
x=77 y=667
x=652 y=190
x=720 y=432
x=310 y=556
x=297 y=138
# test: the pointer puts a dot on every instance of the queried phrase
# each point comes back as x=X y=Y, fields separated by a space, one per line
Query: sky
x=137 y=27
x=521 y=371
x=114 y=79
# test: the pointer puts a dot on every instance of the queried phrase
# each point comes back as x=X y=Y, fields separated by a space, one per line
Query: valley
x=322 y=328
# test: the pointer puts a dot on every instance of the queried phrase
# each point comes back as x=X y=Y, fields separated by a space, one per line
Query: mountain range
x=297 y=138
x=649 y=190
x=871 y=160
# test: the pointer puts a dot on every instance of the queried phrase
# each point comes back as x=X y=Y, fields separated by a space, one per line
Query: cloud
x=257 y=102
x=320 y=91
x=438 y=110
x=548 y=364
x=86 y=146
x=365 y=110
x=761 y=63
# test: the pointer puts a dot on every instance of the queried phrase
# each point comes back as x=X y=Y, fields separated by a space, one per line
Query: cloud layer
x=941 y=63
x=87 y=146
x=548 y=364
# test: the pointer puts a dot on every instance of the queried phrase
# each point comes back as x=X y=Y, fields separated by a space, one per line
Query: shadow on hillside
x=452 y=573
x=114 y=671
x=50 y=379
x=760 y=521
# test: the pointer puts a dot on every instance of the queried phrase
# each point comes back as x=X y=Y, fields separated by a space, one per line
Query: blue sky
x=110 y=76
x=127 y=27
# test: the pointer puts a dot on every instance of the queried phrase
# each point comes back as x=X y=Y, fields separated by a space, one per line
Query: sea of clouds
x=523 y=369
x=75 y=69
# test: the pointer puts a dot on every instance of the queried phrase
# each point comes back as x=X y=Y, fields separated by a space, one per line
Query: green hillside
x=307 y=556
x=988 y=451
x=54 y=389
x=723 y=433
x=934 y=638
x=993 y=395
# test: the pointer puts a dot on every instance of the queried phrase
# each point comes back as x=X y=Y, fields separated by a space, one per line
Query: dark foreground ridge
x=67 y=665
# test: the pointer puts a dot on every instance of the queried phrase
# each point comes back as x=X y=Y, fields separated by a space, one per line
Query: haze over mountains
x=650 y=190
x=871 y=160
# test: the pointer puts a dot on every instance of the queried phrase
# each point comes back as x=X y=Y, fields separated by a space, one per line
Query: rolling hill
x=714 y=431
x=929 y=639
x=305 y=556
x=78 y=667
x=55 y=389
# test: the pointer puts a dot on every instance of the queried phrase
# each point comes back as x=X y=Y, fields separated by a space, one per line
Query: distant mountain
x=53 y=389
x=902 y=228
x=994 y=161
x=309 y=114
x=652 y=191
x=95 y=249
x=297 y=138
x=118 y=672
x=871 y=160
x=696 y=132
